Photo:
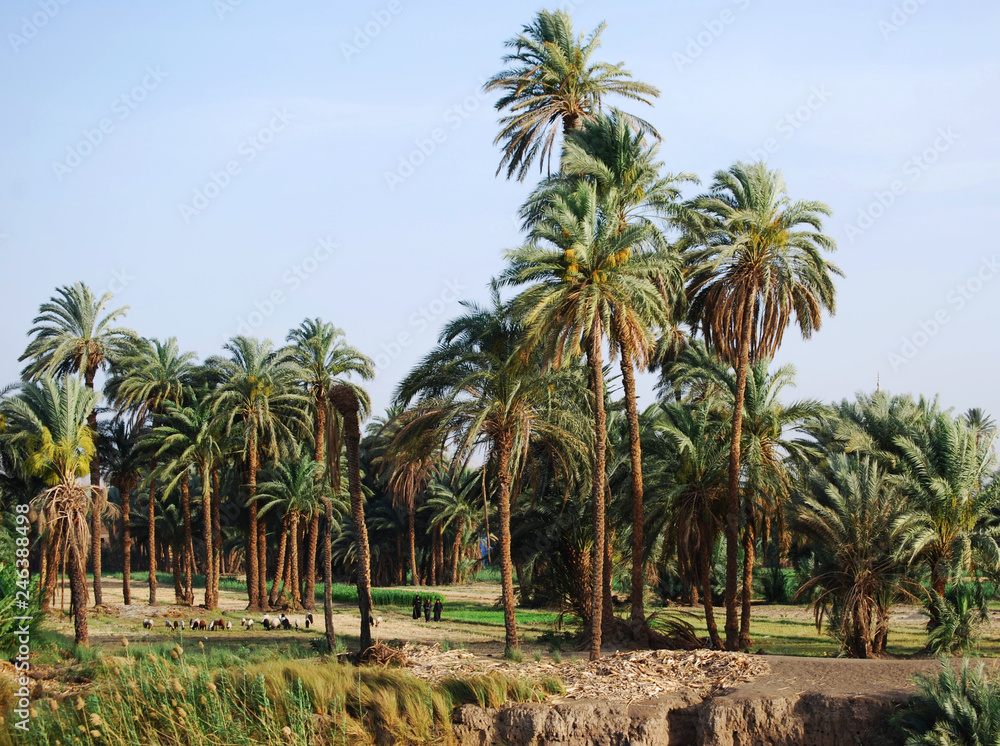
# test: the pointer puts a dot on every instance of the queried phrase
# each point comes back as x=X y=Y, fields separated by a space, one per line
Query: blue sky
x=238 y=166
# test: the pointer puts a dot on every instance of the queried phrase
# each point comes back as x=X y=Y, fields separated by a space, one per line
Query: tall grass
x=171 y=696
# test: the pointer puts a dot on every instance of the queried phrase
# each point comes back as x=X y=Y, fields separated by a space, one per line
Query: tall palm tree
x=476 y=391
x=345 y=400
x=950 y=475
x=259 y=400
x=74 y=332
x=319 y=349
x=586 y=284
x=49 y=421
x=124 y=460
x=147 y=376
x=759 y=263
x=625 y=169
x=551 y=84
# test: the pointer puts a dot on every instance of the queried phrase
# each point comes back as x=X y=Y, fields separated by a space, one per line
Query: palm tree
x=186 y=441
x=123 y=460
x=476 y=391
x=319 y=349
x=147 y=376
x=855 y=520
x=949 y=474
x=258 y=398
x=767 y=451
x=50 y=421
x=585 y=283
x=345 y=400
x=690 y=496
x=760 y=263
x=74 y=333
x=452 y=505
x=552 y=84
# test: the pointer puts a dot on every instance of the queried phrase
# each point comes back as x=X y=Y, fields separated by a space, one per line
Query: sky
x=233 y=166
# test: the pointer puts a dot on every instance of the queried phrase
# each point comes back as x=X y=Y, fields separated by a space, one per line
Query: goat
x=170 y=625
x=248 y=623
x=229 y=625
x=147 y=623
x=309 y=620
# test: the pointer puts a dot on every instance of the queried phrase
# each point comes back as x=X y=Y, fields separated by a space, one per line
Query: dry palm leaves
x=621 y=677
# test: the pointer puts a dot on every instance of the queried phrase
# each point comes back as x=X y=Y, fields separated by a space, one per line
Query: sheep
x=181 y=623
x=229 y=625
x=194 y=624
x=296 y=625
x=202 y=624
x=248 y=623
x=285 y=623
x=266 y=622
x=170 y=625
x=378 y=621
x=147 y=623
x=309 y=620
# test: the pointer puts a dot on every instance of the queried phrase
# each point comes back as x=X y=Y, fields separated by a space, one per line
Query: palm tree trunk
x=97 y=499
x=432 y=569
x=411 y=522
x=352 y=439
x=206 y=518
x=188 y=550
x=400 y=561
x=216 y=538
x=749 y=548
x=278 y=573
x=152 y=535
x=262 y=560
x=456 y=549
x=607 y=606
x=253 y=589
x=124 y=491
x=638 y=612
x=285 y=576
x=331 y=641
x=502 y=446
x=175 y=567
x=733 y=497
x=705 y=557
x=309 y=602
x=296 y=592
x=78 y=592
x=47 y=571
x=594 y=361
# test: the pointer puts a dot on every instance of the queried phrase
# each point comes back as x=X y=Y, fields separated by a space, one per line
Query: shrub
x=956 y=618
x=952 y=709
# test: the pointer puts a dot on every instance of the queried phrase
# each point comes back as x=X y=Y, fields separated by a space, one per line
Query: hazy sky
x=238 y=166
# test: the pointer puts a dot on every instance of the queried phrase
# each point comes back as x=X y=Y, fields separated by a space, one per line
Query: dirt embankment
x=800 y=701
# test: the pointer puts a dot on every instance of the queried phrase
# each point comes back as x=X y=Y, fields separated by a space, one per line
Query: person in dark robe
x=416 y=606
x=427 y=610
x=438 y=608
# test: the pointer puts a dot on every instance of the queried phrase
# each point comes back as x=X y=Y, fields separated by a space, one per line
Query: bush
x=774 y=586
x=952 y=709
x=956 y=618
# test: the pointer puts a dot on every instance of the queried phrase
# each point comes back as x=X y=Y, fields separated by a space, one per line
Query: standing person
x=427 y=610
x=416 y=606
x=438 y=608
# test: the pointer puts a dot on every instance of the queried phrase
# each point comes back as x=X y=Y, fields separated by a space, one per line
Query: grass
x=171 y=695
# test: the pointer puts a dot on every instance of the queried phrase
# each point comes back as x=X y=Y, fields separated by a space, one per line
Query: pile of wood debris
x=619 y=677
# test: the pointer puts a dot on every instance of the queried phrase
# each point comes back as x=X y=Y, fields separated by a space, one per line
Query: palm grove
x=520 y=431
